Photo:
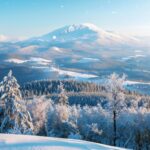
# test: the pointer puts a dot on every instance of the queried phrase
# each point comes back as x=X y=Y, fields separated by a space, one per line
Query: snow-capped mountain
x=86 y=32
x=76 y=40
x=71 y=33
x=82 y=39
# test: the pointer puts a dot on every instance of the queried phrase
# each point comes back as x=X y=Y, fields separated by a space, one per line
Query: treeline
x=79 y=93
x=46 y=87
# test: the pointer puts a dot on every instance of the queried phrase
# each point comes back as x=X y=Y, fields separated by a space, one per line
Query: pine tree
x=16 y=118
x=62 y=98
x=58 y=123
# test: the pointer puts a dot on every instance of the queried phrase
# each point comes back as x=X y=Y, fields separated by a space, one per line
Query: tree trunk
x=114 y=128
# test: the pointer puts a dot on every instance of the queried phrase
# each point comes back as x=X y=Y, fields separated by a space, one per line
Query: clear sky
x=27 y=18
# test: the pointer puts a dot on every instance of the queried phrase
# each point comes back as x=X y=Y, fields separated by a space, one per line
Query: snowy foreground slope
x=25 y=142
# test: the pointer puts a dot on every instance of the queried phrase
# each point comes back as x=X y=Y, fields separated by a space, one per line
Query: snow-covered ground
x=37 y=60
x=88 y=60
x=128 y=82
x=26 y=142
x=72 y=74
x=133 y=57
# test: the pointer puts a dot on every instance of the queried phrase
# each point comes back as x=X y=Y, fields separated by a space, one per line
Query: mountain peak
x=91 y=26
x=76 y=27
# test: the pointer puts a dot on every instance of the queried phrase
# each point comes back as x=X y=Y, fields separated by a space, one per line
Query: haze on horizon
x=27 y=18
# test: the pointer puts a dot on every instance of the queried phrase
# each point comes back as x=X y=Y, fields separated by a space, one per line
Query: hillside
x=25 y=142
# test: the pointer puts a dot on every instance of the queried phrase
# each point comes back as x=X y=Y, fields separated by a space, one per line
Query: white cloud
x=137 y=30
x=21 y=38
x=3 y=38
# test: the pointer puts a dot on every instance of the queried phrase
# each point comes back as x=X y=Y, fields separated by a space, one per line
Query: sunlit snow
x=72 y=74
x=25 y=142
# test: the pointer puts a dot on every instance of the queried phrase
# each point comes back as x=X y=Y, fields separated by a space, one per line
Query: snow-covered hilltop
x=26 y=142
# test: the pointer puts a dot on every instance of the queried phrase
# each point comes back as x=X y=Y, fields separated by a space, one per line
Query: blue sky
x=27 y=18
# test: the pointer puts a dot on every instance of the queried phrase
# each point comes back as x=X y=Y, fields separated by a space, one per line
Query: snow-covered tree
x=115 y=89
x=16 y=117
x=62 y=98
x=38 y=108
x=58 y=123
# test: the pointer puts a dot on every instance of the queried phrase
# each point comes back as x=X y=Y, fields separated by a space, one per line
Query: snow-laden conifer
x=62 y=97
x=16 y=118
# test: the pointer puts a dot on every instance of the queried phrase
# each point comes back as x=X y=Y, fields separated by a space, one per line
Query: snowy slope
x=72 y=74
x=15 y=60
x=25 y=142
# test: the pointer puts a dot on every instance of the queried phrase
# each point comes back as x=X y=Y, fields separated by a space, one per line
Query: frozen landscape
x=74 y=75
